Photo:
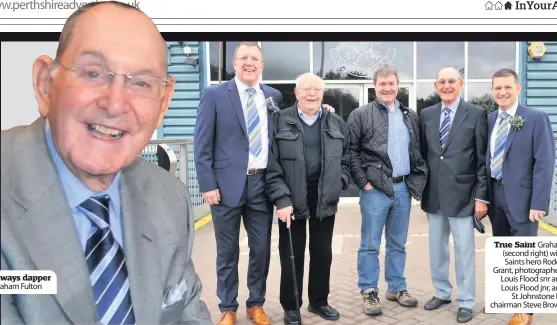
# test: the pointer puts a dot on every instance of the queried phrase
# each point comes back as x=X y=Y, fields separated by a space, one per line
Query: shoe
x=464 y=315
x=291 y=317
x=521 y=319
x=403 y=297
x=435 y=303
x=326 y=312
x=227 y=318
x=257 y=315
x=371 y=304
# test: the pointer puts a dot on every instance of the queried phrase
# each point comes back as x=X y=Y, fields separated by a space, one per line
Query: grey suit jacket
x=39 y=233
x=458 y=174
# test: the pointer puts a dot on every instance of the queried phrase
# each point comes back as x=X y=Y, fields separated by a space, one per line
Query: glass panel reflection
x=433 y=56
x=479 y=93
x=226 y=68
x=344 y=100
x=287 y=91
x=484 y=58
x=358 y=60
x=285 y=60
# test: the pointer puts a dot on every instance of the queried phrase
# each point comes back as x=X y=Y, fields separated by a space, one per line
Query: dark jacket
x=286 y=170
x=370 y=163
x=457 y=174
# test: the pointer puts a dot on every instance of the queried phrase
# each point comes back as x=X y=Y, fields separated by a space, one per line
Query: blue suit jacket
x=221 y=146
x=528 y=165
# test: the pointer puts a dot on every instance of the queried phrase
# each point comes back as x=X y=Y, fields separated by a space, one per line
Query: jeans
x=378 y=211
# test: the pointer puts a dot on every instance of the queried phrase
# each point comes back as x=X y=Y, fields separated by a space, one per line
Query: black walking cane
x=294 y=276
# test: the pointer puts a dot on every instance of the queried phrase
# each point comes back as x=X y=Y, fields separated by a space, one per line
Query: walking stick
x=294 y=277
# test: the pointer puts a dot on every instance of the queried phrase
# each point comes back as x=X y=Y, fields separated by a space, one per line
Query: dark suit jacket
x=457 y=172
x=39 y=233
x=221 y=145
x=529 y=163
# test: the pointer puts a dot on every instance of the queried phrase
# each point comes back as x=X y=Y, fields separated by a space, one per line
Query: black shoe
x=326 y=312
x=435 y=303
x=291 y=317
x=464 y=315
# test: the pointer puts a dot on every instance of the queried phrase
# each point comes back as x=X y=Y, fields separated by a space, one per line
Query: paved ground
x=344 y=290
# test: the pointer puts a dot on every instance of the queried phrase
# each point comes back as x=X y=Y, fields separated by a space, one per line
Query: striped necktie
x=445 y=127
x=252 y=122
x=107 y=268
x=499 y=152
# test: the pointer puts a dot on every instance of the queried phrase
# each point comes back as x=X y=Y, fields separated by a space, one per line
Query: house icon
x=498 y=6
x=508 y=5
x=489 y=6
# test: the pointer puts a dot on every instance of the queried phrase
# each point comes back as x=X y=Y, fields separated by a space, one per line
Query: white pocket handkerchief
x=174 y=293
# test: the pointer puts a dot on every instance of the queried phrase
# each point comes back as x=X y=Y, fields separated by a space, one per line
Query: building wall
x=179 y=121
x=540 y=86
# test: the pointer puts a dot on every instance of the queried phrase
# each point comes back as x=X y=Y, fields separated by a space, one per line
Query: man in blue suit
x=231 y=145
x=520 y=160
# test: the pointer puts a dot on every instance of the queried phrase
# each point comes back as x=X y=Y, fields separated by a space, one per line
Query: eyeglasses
x=96 y=76
x=450 y=81
x=307 y=90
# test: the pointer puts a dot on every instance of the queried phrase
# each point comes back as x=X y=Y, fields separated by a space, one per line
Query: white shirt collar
x=511 y=111
x=242 y=87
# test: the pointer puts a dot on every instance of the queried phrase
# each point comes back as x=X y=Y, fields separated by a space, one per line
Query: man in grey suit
x=454 y=143
x=115 y=229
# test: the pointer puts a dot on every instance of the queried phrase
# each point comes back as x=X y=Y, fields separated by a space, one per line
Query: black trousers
x=502 y=222
x=320 y=251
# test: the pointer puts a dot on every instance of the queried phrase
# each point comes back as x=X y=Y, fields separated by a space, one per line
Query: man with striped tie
x=115 y=229
x=521 y=160
x=454 y=143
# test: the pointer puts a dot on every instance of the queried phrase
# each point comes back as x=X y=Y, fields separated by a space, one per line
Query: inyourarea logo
x=532 y=5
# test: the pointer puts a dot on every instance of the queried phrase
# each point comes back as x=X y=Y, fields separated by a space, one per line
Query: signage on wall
x=536 y=50
x=360 y=59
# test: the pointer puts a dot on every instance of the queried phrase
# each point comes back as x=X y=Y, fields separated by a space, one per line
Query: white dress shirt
x=261 y=160
x=512 y=112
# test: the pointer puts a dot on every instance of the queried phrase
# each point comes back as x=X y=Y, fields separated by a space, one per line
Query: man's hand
x=212 y=197
x=285 y=214
x=368 y=187
x=329 y=108
x=480 y=208
x=536 y=215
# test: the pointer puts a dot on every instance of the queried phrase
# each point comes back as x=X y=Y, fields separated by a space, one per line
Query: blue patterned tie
x=499 y=152
x=445 y=127
x=107 y=267
x=252 y=122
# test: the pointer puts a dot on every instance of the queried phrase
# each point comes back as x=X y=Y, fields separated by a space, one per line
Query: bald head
x=309 y=77
x=101 y=8
x=448 y=72
x=309 y=93
x=448 y=85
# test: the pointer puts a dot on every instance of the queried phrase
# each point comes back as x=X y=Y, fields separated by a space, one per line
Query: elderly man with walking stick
x=309 y=166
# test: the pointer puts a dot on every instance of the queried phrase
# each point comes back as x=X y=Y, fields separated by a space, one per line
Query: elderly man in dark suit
x=520 y=163
x=454 y=143
x=115 y=229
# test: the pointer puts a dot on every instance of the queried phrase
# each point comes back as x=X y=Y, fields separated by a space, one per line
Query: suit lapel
x=237 y=104
x=140 y=249
x=512 y=133
x=461 y=113
x=436 y=126
x=50 y=234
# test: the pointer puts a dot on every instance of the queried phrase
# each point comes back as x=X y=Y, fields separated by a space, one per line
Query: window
x=344 y=100
x=484 y=58
x=479 y=93
x=433 y=56
x=287 y=91
x=358 y=60
x=285 y=60
x=227 y=70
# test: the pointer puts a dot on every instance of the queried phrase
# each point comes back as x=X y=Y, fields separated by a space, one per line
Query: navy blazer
x=221 y=145
x=528 y=165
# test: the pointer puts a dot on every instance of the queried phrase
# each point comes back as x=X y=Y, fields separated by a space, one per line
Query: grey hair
x=306 y=75
x=385 y=70
x=453 y=69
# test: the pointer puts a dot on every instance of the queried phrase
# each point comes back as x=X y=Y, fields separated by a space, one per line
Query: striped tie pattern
x=445 y=127
x=107 y=267
x=253 y=125
x=499 y=152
